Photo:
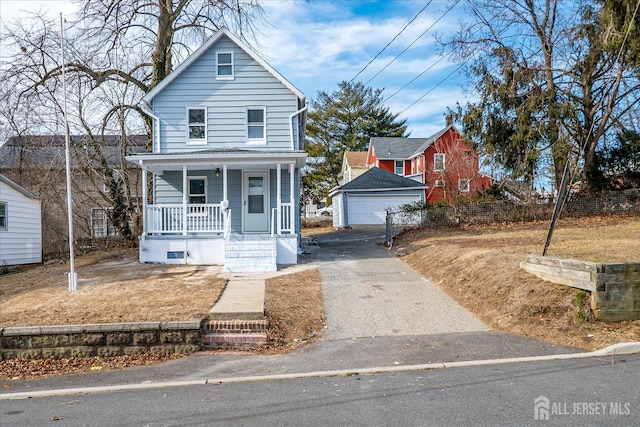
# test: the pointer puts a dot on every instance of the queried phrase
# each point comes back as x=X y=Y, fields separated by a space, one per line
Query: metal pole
x=558 y=207
x=73 y=278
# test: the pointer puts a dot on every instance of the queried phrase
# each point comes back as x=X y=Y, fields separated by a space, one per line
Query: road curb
x=612 y=350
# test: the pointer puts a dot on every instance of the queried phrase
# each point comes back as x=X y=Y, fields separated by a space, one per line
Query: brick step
x=236 y=326
x=248 y=340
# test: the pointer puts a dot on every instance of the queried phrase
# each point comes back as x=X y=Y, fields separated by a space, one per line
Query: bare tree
x=115 y=51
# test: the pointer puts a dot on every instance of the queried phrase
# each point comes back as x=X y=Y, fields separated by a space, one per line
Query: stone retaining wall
x=110 y=339
x=614 y=287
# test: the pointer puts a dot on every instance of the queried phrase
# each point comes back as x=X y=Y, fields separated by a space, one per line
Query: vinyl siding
x=21 y=242
x=226 y=102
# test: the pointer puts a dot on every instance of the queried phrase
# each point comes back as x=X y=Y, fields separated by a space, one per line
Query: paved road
x=369 y=292
x=598 y=392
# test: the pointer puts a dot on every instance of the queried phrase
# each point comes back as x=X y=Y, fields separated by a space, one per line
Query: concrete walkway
x=369 y=292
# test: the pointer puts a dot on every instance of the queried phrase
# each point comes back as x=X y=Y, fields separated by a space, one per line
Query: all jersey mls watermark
x=544 y=409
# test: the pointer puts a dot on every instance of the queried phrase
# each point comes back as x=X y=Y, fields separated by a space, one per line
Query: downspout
x=146 y=108
x=300 y=111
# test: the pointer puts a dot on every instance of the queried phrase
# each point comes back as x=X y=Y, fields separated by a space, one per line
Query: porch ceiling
x=158 y=163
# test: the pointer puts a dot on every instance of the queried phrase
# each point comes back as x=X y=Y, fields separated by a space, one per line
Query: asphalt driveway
x=368 y=292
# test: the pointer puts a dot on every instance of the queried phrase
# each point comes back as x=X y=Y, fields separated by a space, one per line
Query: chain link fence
x=495 y=212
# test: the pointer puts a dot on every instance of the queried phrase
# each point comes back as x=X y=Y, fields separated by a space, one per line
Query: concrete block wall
x=112 y=339
x=614 y=287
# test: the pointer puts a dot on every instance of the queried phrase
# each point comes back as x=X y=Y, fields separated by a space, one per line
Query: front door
x=256 y=202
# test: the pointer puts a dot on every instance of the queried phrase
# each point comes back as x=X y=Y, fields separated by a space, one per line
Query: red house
x=444 y=162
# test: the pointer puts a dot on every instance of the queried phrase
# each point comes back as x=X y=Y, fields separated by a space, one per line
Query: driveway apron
x=369 y=292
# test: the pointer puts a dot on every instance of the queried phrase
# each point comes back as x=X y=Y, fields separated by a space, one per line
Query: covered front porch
x=203 y=202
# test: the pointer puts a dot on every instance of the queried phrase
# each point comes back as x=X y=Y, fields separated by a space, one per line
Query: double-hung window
x=197 y=125
x=256 y=125
x=224 y=66
x=3 y=216
x=399 y=167
x=197 y=190
x=438 y=162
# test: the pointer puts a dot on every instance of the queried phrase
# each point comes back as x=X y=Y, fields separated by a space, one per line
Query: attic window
x=224 y=66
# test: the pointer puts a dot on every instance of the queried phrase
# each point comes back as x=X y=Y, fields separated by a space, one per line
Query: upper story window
x=224 y=66
x=197 y=190
x=256 y=125
x=438 y=162
x=197 y=120
x=399 y=167
x=3 y=216
x=464 y=185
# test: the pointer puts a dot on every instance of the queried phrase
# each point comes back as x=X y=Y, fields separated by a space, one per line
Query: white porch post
x=224 y=183
x=185 y=199
x=291 y=185
x=144 y=200
x=293 y=210
x=279 y=198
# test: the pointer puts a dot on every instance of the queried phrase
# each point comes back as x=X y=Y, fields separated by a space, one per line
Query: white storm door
x=256 y=202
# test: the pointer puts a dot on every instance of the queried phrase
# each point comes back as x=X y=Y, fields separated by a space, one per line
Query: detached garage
x=365 y=200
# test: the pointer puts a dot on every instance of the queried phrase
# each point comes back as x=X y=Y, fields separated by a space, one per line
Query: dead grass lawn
x=112 y=287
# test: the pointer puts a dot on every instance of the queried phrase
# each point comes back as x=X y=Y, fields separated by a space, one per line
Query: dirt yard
x=479 y=268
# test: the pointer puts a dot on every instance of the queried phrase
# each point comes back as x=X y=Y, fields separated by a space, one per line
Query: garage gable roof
x=378 y=179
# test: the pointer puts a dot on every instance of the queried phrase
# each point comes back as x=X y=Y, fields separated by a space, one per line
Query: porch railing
x=171 y=219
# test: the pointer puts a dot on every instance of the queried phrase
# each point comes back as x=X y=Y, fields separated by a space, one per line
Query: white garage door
x=372 y=209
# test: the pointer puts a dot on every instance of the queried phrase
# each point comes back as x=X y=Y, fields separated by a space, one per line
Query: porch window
x=224 y=66
x=464 y=186
x=3 y=216
x=256 y=125
x=399 y=167
x=197 y=119
x=438 y=162
x=197 y=190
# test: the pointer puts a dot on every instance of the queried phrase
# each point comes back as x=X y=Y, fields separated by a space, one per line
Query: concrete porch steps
x=250 y=253
x=235 y=333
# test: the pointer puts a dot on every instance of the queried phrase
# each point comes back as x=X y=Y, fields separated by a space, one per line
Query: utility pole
x=73 y=277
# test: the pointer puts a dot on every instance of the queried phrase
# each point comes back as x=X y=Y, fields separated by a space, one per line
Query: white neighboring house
x=227 y=151
x=20 y=225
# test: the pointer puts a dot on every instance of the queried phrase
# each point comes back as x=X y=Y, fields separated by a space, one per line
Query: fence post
x=388 y=230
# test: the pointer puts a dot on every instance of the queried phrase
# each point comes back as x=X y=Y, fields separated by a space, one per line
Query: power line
x=392 y=40
x=413 y=42
x=436 y=86
x=417 y=77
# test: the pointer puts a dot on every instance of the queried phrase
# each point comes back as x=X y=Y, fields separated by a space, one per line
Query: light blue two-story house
x=228 y=131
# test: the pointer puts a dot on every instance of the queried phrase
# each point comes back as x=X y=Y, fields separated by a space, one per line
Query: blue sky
x=317 y=43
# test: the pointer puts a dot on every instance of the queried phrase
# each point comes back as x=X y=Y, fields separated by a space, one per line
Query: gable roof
x=399 y=148
x=223 y=32
x=356 y=158
x=377 y=179
x=17 y=187
x=41 y=150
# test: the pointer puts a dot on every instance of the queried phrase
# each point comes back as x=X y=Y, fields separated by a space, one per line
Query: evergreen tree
x=343 y=120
